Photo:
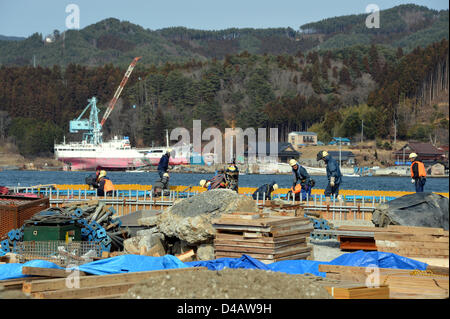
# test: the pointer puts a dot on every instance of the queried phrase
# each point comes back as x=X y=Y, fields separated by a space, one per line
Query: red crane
x=113 y=101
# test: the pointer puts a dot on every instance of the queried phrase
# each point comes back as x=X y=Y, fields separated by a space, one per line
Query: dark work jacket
x=301 y=175
x=333 y=169
x=163 y=163
x=264 y=190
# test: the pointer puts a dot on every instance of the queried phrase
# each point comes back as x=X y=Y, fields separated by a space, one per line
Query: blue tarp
x=11 y=271
x=133 y=263
x=358 y=259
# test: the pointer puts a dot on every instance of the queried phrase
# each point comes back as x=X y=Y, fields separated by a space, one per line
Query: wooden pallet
x=420 y=242
x=267 y=238
x=403 y=284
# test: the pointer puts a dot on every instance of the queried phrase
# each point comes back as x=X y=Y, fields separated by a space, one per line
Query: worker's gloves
x=412 y=181
x=332 y=181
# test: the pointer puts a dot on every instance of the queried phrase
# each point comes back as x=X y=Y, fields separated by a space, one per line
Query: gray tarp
x=419 y=209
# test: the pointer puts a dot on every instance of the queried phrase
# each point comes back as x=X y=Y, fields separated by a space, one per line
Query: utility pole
x=340 y=143
x=362 y=130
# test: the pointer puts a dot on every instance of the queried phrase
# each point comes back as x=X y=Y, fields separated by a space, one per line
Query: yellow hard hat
x=292 y=162
x=203 y=182
x=231 y=168
x=412 y=155
x=275 y=187
x=169 y=150
x=102 y=174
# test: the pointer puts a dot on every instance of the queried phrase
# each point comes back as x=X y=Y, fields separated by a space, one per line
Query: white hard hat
x=102 y=174
x=275 y=187
x=292 y=162
x=203 y=182
x=412 y=155
x=166 y=175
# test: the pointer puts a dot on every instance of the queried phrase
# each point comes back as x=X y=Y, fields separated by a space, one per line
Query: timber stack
x=262 y=236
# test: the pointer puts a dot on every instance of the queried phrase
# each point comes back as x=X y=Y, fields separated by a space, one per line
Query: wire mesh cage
x=59 y=252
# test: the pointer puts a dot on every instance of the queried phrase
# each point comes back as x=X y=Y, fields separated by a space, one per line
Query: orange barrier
x=249 y=190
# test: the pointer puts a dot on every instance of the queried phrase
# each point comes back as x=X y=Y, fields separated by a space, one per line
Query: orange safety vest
x=421 y=167
x=109 y=186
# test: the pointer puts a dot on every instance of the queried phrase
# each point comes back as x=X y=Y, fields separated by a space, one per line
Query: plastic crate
x=15 y=210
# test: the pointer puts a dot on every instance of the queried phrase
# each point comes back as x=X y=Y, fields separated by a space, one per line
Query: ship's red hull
x=78 y=164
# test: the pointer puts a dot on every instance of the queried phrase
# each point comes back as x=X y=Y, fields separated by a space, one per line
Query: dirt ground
x=230 y=284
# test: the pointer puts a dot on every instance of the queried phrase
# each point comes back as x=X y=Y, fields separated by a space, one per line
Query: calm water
x=29 y=178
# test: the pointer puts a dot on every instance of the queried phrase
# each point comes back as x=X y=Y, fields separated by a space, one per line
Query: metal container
x=47 y=233
x=15 y=210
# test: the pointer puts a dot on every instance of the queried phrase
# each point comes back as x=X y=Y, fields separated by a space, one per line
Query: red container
x=15 y=210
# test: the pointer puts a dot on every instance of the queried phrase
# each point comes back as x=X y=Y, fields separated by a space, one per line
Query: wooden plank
x=292 y=251
x=274 y=240
x=364 y=228
x=411 y=237
x=84 y=292
x=262 y=222
x=417 y=230
x=358 y=292
x=416 y=252
x=410 y=244
x=47 y=272
x=267 y=250
x=94 y=281
x=259 y=244
x=303 y=255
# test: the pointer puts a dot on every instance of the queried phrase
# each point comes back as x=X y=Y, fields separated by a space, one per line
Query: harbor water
x=382 y=183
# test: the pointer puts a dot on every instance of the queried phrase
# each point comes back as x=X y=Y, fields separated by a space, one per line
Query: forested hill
x=117 y=42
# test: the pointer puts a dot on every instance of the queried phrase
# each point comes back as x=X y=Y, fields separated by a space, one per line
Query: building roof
x=283 y=149
x=345 y=155
x=342 y=139
x=420 y=148
x=303 y=133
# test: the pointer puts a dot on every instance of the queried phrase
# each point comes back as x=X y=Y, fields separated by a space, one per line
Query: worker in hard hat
x=105 y=186
x=91 y=180
x=218 y=181
x=161 y=185
x=232 y=176
x=333 y=174
x=302 y=178
x=418 y=173
x=163 y=164
x=265 y=191
x=205 y=184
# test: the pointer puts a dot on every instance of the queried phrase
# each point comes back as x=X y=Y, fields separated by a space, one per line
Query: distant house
x=284 y=152
x=299 y=139
x=426 y=152
x=347 y=157
x=339 y=141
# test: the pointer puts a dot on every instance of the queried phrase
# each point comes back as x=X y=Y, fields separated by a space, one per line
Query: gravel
x=230 y=284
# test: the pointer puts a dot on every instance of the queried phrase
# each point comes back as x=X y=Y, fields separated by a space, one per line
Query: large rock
x=418 y=209
x=190 y=218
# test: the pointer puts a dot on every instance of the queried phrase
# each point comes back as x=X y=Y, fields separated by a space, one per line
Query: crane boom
x=113 y=101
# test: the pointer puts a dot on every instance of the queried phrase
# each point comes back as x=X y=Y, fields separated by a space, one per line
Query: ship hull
x=79 y=164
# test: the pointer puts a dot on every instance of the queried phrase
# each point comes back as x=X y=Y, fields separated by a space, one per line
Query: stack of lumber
x=59 y=284
x=414 y=242
x=357 y=291
x=261 y=236
x=402 y=284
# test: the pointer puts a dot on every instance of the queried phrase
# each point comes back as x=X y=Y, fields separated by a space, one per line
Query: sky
x=25 y=17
